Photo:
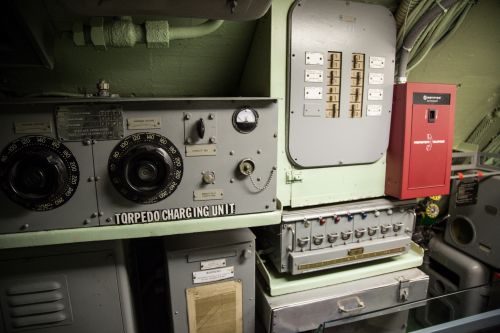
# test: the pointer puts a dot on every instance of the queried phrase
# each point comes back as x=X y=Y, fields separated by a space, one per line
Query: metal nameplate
x=214 y=194
x=350 y=258
x=356 y=251
x=100 y=122
x=32 y=127
x=431 y=98
x=143 y=123
x=213 y=275
x=201 y=150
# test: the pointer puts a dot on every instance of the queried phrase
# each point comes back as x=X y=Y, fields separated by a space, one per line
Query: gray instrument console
x=340 y=78
x=70 y=163
x=337 y=235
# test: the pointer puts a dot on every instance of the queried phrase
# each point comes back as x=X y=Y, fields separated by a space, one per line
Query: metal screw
x=267 y=206
x=109 y=219
x=90 y=179
x=25 y=226
x=212 y=139
x=87 y=142
x=188 y=140
x=231 y=180
x=211 y=116
x=94 y=141
x=231 y=152
x=187 y=116
x=93 y=215
x=97 y=178
x=87 y=221
x=101 y=213
x=275 y=135
x=259 y=151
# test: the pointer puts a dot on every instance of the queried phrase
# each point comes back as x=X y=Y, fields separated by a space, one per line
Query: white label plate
x=313 y=75
x=377 y=62
x=313 y=93
x=32 y=127
x=373 y=110
x=213 y=275
x=314 y=58
x=375 y=94
x=211 y=264
x=376 y=78
x=144 y=123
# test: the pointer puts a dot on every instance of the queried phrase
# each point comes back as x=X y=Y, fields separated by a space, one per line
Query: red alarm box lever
x=421 y=140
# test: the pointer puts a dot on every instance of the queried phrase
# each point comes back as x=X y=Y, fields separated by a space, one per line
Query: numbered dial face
x=245 y=120
x=38 y=172
x=145 y=167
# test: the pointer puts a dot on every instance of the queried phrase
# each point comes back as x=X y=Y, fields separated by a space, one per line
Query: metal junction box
x=69 y=163
x=337 y=235
x=211 y=280
x=421 y=140
x=474 y=225
x=355 y=300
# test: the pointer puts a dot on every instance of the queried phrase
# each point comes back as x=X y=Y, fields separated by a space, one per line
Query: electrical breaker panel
x=421 y=142
x=337 y=235
x=94 y=162
x=340 y=78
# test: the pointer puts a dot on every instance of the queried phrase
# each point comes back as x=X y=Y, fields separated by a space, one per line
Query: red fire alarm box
x=421 y=140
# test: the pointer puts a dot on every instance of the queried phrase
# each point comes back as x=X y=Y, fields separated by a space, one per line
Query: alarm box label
x=174 y=214
x=431 y=98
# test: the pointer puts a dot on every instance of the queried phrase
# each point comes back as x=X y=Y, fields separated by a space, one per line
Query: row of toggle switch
x=346 y=235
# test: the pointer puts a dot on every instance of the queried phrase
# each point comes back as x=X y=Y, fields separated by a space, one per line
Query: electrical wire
x=427 y=23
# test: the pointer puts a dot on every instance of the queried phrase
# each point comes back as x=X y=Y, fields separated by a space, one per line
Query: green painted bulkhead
x=243 y=59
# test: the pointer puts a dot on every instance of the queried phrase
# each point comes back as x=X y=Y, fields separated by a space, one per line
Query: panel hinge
x=404 y=289
x=293 y=176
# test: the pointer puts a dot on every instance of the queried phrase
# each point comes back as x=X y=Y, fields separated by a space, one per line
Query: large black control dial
x=145 y=167
x=38 y=172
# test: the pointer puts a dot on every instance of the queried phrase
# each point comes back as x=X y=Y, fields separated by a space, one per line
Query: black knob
x=147 y=169
x=37 y=175
x=200 y=128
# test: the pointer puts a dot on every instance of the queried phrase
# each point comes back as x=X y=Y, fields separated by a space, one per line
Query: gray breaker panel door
x=341 y=58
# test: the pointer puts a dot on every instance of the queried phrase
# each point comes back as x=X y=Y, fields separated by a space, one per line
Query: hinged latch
x=404 y=289
x=293 y=176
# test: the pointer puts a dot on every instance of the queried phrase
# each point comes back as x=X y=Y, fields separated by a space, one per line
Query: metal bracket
x=293 y=176
x=404 y=289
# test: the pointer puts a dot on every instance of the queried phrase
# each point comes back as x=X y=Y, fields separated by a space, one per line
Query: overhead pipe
x=124 y=32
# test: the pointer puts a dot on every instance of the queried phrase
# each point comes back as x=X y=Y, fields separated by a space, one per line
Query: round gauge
x=245 y=120
x=38 y=172
x=145 y=167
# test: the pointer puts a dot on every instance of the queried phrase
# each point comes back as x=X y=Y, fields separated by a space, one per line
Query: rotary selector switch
x=145 y=167
x=38 y=172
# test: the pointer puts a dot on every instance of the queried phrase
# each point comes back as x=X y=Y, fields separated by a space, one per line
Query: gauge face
x=38 y=172
x=145 y=167
x=245 y=120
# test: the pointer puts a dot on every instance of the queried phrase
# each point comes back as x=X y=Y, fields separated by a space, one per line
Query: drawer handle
x=350 y=304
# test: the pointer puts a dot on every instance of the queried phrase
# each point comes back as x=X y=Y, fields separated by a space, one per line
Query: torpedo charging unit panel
x=79 y=163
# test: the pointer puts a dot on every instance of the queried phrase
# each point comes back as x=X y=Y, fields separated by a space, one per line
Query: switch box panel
x=79 y=163
x=211 y=281
x=421 y=140
x=337 y=235
x=340 y=60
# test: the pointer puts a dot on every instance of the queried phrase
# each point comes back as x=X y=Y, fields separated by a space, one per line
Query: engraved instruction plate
x=100 y=122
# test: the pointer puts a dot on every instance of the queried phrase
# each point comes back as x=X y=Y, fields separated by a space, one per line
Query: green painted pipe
x=124 y=33
x=197 y=31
